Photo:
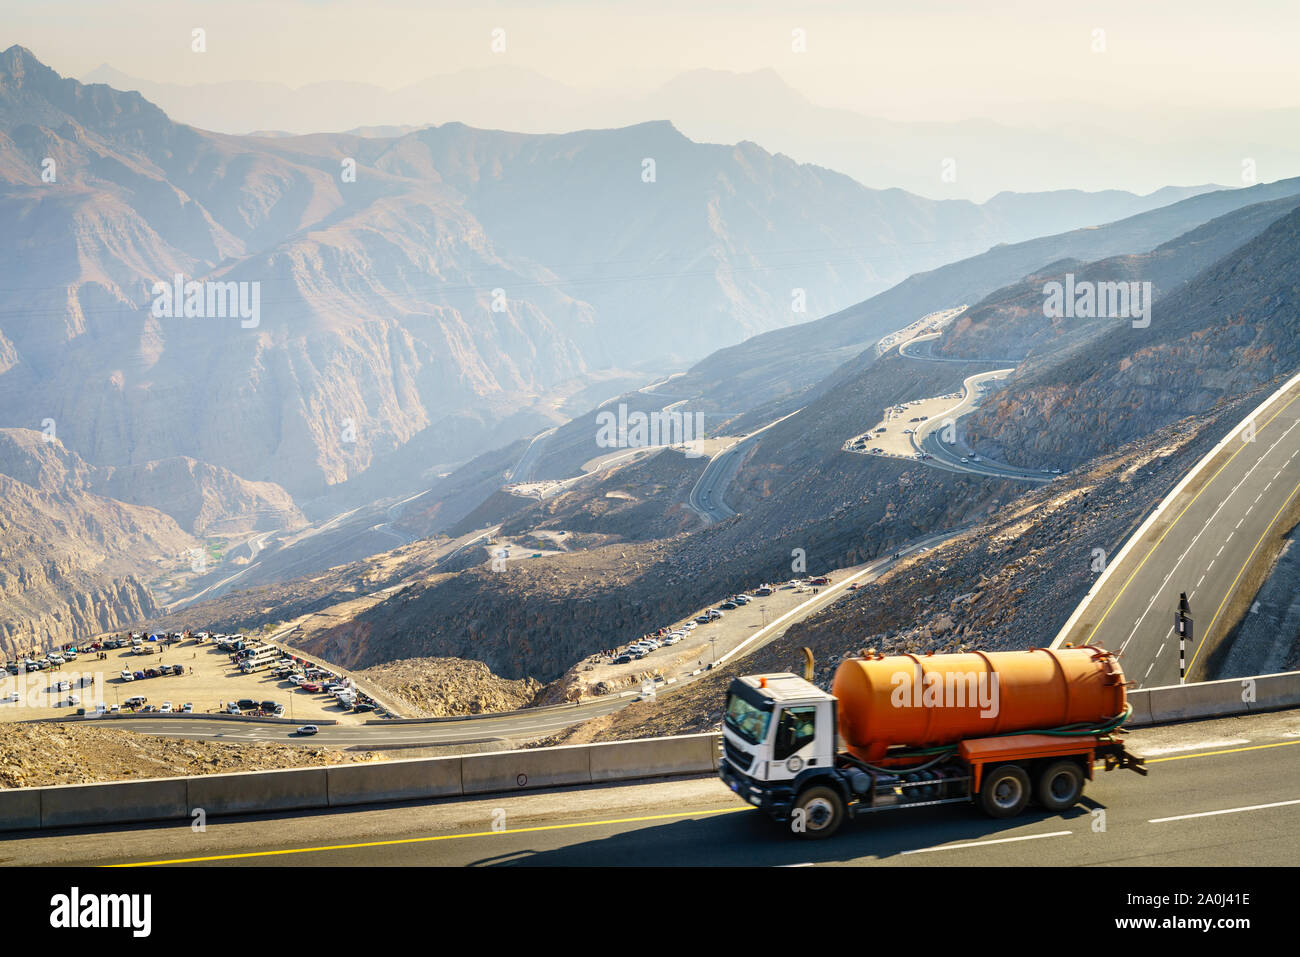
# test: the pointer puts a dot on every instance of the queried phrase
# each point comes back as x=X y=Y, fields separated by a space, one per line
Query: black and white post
x=1183 y=625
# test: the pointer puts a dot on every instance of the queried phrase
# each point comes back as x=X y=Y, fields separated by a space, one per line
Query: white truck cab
x=776 y=728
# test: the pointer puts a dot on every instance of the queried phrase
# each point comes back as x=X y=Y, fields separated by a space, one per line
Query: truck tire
x=1004 y=792
x=818 y=813
x=1060 y=785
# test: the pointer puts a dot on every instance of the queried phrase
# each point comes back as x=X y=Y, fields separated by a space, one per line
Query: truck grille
x=736 y=757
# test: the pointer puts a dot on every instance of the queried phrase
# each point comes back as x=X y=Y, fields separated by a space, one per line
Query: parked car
x=279 y=711
x=166 y=707
x=621 y=660
x=139 y=676
x=728 y=605
x=187 y=708
x=308 y=729
x=309 y=687
x=127 y=676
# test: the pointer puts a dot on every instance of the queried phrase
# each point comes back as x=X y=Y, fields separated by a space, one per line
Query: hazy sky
x=922 y=59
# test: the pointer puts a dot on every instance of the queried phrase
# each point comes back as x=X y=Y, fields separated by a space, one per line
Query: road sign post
x=1183 y=626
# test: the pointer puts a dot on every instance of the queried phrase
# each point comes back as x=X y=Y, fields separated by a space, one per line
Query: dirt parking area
x=894 y=440
x=709 y=642
x=210 y=680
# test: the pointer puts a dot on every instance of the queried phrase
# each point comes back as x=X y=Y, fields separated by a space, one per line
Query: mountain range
x=1045 y=147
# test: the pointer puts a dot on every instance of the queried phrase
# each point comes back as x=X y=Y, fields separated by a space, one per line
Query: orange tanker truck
x=996 y=729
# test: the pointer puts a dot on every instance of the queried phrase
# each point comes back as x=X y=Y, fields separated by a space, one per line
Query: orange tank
x=923 y=701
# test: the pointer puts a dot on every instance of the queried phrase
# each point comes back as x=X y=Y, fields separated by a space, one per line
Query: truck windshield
x=746 y=720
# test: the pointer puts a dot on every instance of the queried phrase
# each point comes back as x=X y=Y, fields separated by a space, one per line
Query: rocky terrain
x=1226 y=331
x=442 y=687
x=41 y=754
x=202 y=499
x=1010 y=582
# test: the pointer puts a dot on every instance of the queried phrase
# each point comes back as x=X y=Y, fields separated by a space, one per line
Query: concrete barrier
x=1141 y=704
x=653 y=757
x=1227 y=696
x=73 y=805
x=1275 y=691
x=253 y=791
x=408 y=780
x=504 y=771
x=20 y=809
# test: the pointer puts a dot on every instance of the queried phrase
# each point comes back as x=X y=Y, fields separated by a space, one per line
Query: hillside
x=1229 y=329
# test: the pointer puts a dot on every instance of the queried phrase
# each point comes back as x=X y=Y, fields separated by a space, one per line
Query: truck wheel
x=1004 y=791
x=818 y=812
x=1060 y=785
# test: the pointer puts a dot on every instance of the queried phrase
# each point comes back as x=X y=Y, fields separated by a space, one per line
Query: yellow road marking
x=435 y=837
x=1210 y=754
x=1249 y=560
x=575 y=824
x=1170 y=528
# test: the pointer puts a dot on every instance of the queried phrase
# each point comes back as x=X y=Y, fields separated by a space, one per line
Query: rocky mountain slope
x=201 y=498
x=1229 y=329
x=72 y=562
x=403 y=282
x=1010 y=582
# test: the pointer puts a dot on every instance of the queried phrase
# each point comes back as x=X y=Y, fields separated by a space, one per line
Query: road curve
x=706 y=496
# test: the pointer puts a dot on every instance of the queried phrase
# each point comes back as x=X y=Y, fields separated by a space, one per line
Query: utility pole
x=1183 y=625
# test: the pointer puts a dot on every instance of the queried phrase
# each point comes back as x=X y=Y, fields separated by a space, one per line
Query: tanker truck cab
x=778 y=735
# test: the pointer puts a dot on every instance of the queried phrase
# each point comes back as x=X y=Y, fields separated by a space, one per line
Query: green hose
x=1065 y=731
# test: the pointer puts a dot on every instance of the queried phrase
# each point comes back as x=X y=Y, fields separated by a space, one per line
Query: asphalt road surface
x=1203 y=543
x=706 y=497
x=950 y=457
x=1220 y=793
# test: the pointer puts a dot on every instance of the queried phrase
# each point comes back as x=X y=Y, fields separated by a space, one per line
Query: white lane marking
x=1001 y=840
x=1198 y=584
x=1161 y=648
x=1219 y=552
x=1199 y=746
x=1149 y=667
x=1228 y=810
x=1210 y=521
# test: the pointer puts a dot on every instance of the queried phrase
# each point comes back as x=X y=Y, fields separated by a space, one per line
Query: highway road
x=1205 y=540
x=1220 y=793
x=523 y=470
x=706 y=497
x=949 y=457
x=921 y=347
